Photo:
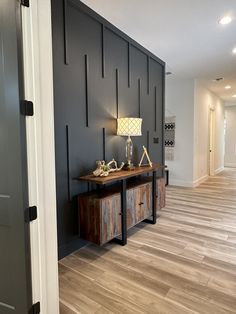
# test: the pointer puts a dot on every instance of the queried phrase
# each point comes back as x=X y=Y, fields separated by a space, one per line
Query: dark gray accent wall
x=99 y=74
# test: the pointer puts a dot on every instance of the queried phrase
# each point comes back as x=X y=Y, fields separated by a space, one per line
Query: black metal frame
x=154 y=200
x=123 y=240
x=154 y=197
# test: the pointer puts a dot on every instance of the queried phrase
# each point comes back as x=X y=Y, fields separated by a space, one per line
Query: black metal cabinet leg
x=154 y=200
x=154 y=197
x=123 y=240
x=123 y=212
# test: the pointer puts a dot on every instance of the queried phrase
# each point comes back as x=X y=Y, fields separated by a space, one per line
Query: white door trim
x=211 y=141
x=37 y=45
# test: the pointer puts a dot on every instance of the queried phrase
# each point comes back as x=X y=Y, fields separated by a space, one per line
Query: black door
x=15 y=283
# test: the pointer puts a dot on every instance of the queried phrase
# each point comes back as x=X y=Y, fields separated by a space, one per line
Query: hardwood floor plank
x=212 y=262
x=195 y=304
x=185 y=264
x=86 y=269
x=73 y=285
x=66 y=308
x=108 y=265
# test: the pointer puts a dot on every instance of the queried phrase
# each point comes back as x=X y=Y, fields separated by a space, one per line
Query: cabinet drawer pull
x=141 y=203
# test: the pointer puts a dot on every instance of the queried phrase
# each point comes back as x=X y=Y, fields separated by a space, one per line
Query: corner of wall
x=179 y=101
x=203 y=100
x=200 y=180
x=219 y=170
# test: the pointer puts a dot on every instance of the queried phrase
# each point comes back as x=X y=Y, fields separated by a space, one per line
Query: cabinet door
x=143 y=202
x=89 y=219
x=110 y=218
x=131 y=208
x=161 y=193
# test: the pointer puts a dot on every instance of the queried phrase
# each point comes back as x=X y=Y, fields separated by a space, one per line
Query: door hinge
x=31 y=214
x=35 y=309
x=27 y=108
x=25 y=3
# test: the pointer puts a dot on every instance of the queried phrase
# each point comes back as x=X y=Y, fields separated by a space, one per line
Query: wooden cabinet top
x=120 y=175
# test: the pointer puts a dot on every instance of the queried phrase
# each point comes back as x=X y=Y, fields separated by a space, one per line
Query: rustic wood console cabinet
x=108 y=212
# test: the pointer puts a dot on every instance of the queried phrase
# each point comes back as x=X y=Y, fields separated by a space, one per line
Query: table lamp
x=129 y=127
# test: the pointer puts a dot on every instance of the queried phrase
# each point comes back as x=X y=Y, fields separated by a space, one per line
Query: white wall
x=230 y=136
x=203 y=101
x=179 y=102
x=190 y=102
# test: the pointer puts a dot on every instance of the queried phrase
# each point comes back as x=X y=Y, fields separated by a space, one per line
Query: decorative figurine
x=145 y=153
x=104 y=169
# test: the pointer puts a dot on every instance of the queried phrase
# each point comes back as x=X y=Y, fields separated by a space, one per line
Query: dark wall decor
x=100 y=74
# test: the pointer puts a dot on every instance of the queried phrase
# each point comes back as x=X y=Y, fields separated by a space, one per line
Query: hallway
x=186 y=263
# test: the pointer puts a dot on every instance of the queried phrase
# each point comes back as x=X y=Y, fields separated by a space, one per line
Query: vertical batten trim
x=148 y=74
x=129 y=74
x=139 y=97
x=104 y=143
x=65 y=32
x=103 y=51
x=68 y=163
x=117 y=93
x=163 y=116
x=155 y=108
x=86 y=90
x=148 y=142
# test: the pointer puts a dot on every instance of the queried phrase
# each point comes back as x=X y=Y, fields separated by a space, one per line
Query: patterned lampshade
x=129 y=126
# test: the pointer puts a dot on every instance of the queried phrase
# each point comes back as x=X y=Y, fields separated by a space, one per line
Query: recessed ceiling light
x=234 y=50
x=227 y=87
x=225 y=20
x=234 y=96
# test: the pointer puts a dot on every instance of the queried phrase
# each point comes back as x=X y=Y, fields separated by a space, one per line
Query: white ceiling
x=184 y=33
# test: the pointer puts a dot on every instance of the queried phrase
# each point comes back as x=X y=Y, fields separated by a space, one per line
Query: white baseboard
x=193 y=184
x=200 y=180
x=188 y=184
x=219 y=170
x=230 y=164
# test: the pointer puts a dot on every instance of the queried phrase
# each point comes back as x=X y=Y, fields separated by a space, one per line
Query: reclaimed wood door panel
x=161 y=193
x=90 y=220
x=146 y=199
x=100 y=217
x=110 y=218
x=143 y=202
x=131 y=208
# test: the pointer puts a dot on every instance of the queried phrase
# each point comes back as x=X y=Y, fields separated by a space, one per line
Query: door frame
x=211 y=145
x=38 y=79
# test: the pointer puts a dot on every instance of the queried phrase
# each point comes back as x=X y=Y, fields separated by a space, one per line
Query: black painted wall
x=99 y=74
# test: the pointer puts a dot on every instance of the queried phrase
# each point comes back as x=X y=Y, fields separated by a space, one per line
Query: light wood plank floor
x=186 y=263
